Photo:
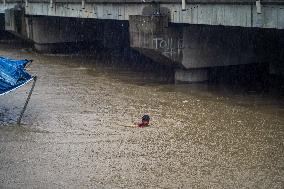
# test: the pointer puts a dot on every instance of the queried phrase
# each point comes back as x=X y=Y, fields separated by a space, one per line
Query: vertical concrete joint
x=183 y=3
x=51 y=4
x=83 y=4
x=258 y=7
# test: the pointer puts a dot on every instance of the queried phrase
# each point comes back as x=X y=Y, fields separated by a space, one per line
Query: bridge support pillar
x=205 y=47
x=152 y=36
x=55 y=34
x=48 y=33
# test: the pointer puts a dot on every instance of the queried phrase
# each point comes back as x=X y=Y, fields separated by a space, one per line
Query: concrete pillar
x=210 y=46
x=15 y=22
x=52 y=30
x=191 y=75
x=52 y=34
x=152 y=36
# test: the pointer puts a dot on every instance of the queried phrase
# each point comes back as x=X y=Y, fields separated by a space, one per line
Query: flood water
x=77 y=130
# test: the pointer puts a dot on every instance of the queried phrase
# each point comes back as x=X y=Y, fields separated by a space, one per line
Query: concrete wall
x=152 y=36
x=217 y=46
x=4 y=4
x=15 y=22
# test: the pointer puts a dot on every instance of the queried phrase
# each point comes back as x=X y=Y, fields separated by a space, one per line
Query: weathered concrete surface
x=242 y=14
x=152 y=36
x=162 y=1
x=8 y=5
x=15 y=22
x=55 y=30
x=224 y=12
x=217 y=46
x=195 y=46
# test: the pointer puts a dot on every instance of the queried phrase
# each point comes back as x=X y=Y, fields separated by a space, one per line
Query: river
x=77 y=130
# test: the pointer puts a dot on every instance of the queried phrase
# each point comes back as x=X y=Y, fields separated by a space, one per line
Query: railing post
x=26 y=3
x=51 y=4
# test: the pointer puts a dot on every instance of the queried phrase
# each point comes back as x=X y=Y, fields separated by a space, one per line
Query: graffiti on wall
x=168 y=46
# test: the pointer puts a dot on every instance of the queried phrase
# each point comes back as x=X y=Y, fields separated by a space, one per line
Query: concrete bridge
x=193 y=35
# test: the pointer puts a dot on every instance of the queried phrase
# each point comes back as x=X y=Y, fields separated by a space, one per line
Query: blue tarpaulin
x=13 y=74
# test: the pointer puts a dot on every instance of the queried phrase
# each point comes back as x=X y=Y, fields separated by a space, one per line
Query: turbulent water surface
x=77 y=131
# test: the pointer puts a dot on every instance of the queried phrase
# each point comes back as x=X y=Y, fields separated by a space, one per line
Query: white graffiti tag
x=168 y=46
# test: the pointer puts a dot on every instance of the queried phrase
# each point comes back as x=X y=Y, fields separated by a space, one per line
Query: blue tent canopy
x=13 y=74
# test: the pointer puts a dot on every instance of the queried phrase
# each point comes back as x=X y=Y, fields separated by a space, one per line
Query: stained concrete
x=244 y=14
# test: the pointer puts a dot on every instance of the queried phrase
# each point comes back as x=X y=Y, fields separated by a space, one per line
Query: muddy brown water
x=77 y=132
